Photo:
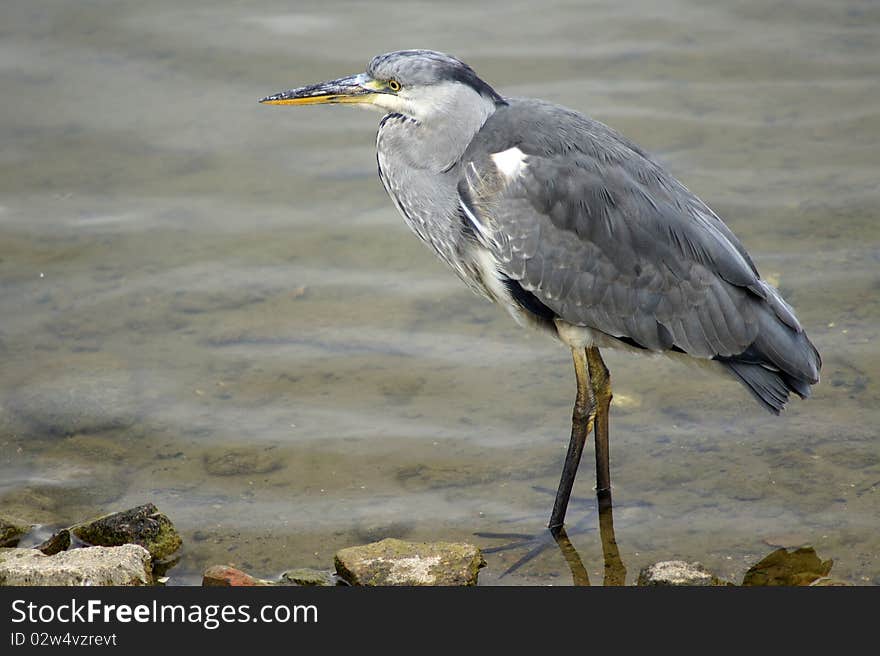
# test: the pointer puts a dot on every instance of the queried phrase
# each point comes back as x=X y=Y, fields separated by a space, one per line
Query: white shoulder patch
x=509 y=162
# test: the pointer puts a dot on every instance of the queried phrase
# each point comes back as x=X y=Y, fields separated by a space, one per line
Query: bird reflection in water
x=615 y=570
x=797 y=566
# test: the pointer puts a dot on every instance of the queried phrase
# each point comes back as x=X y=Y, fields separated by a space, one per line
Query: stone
x=143 y=525
x=11 y=530
x=783 y=567
x=75 y=486
x=225 y=575
x=129 y=564
x=372 y=531
x=80 y=394
x=678 y=572
x=306 y=576
x=57 y=543
x=241 y=462
x=395 y=562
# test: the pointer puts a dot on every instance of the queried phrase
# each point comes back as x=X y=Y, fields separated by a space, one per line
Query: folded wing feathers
x=636 y=255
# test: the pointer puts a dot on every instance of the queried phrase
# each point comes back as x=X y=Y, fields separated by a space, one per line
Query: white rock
x=125 y=565
x=677 y=572
x=395 y=562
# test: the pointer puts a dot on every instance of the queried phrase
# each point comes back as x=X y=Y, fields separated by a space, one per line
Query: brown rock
x=224 y=575
x=783 y=567
x=59 y=542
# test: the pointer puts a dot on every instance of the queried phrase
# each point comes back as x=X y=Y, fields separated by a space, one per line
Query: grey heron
x=576 y=231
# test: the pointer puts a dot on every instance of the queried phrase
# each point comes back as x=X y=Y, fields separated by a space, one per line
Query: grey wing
x=617 y=246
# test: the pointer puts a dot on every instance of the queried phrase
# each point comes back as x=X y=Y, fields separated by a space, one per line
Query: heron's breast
x=426 y=199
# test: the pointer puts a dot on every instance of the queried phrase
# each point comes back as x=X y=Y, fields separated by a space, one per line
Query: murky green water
x=212 y=305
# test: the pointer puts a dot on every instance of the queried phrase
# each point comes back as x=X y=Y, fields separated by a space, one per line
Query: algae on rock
x=11 y=531
x=143 y=525
x=306 y=576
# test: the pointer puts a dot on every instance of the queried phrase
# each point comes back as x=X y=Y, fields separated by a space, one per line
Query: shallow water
x=211 y=304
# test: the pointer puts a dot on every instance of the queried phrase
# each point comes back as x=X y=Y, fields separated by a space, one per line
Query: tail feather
x=780 y=361
x=771 y=388
x=786 y=349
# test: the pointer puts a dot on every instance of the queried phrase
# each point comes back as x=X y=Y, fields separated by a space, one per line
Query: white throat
x=444 y=119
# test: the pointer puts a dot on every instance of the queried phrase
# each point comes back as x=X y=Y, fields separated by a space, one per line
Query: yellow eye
x=394 y=85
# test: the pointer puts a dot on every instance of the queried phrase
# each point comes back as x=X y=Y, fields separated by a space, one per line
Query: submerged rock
x=11 y=531
x=678 y=572
x=143 y=525
x=125 y=565
x=78 y=394
x=224 y=575
x=238 y=462
x=395 y=562
x=305 y=576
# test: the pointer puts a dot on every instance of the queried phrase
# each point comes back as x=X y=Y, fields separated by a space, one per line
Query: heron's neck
x=418 y=165
x=436 y=142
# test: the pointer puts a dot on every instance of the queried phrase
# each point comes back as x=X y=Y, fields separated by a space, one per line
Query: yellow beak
x=353 y=89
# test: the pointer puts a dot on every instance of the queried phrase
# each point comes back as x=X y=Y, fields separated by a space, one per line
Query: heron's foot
x=536 y=544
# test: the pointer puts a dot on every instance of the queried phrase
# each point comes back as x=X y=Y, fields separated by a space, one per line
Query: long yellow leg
x=601 y=382
x=581 y=425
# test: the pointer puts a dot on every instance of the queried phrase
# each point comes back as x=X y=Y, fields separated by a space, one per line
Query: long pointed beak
x=352 y=89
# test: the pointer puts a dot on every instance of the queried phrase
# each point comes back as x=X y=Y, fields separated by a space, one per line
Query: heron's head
x=421 y=84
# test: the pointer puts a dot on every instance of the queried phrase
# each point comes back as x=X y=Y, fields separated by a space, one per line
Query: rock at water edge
x=126 y=565
x=395 y=562
x=143 y=525
x=678 y=572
